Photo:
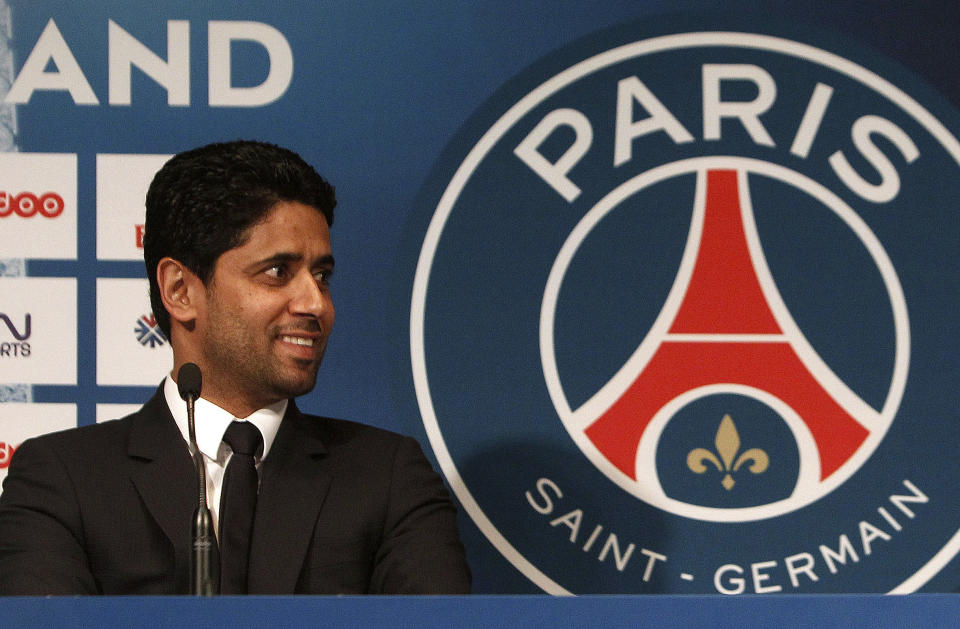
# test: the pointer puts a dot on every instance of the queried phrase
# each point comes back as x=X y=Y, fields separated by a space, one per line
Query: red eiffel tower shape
x=724 y=297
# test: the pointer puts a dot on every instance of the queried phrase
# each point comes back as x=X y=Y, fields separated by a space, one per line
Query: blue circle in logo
x=682 y=316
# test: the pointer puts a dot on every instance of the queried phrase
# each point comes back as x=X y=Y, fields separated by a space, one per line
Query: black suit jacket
x=343 y=508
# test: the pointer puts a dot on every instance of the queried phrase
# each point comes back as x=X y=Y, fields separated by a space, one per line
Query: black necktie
x=237 y=503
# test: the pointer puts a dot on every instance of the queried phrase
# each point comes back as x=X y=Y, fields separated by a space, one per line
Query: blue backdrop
x=385 y=100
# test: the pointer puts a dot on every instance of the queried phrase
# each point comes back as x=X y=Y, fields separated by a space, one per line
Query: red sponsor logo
x=6 y=453
x=28 y=204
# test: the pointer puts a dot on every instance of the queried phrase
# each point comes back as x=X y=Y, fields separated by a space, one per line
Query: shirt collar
x=212 y=421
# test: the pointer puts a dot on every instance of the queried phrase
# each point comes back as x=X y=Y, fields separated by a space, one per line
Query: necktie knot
x=244 y=438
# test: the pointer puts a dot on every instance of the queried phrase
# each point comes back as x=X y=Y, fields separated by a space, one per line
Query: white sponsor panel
x=38 y=205
x=38 y=330
x=106 y=412
x=19 y=422
x=131 y=350
x=122 y=183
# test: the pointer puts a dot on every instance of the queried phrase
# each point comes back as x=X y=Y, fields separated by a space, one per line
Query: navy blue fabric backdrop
x=387 y=99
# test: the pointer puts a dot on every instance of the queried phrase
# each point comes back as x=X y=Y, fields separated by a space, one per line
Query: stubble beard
x=249 y=367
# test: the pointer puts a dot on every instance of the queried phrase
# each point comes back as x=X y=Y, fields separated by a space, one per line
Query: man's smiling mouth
x=298 y=340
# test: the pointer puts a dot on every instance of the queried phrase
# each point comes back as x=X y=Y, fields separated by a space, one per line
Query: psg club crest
x=684 y=317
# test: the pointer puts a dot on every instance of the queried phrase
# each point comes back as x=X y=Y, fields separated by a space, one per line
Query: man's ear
x=181 y=290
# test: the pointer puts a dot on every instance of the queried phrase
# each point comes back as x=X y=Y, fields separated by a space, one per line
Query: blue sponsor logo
x=149 y=333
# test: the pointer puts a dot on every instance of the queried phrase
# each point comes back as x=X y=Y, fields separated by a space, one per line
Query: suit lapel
x=292 y=488
x=164 y=476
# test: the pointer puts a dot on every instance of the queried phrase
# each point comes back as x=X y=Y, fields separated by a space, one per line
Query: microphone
x=202 y=583
x=189 y=381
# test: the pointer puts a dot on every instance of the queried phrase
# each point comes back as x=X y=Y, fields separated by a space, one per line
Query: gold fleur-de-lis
x=728 y=444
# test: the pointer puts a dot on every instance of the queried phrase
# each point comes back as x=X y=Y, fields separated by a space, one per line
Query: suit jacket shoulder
x=95 y=509
x=379 y=519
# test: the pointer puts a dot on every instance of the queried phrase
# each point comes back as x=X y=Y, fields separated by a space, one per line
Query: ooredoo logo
x=682 y=274
x=28 y=204
x=38 y=200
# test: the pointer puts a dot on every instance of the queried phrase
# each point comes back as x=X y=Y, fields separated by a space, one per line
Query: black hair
x=203 y=201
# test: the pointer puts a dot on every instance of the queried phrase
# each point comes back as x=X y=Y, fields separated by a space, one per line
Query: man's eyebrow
x=278 y=258
x=325 y=260
x=284 y=257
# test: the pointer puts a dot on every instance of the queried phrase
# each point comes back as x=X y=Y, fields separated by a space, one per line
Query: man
x=237 y=250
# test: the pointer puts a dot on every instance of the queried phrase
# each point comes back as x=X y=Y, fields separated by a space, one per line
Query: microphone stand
x=201 y=565
x=202 y=581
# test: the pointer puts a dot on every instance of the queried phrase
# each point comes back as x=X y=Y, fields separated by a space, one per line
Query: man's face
x=268 y=311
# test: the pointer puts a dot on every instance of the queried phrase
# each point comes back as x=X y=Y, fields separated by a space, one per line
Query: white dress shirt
x=211 y=423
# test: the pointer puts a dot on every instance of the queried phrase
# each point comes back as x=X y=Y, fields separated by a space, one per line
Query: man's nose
x=309 y=297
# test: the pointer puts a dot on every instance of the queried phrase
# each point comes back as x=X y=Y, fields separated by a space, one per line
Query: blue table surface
x=855 y=610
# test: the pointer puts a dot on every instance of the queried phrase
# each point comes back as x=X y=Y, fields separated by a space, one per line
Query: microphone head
x=189 y=380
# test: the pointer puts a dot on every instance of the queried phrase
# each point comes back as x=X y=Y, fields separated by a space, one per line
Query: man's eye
x=323 y=277
x=277 y=271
